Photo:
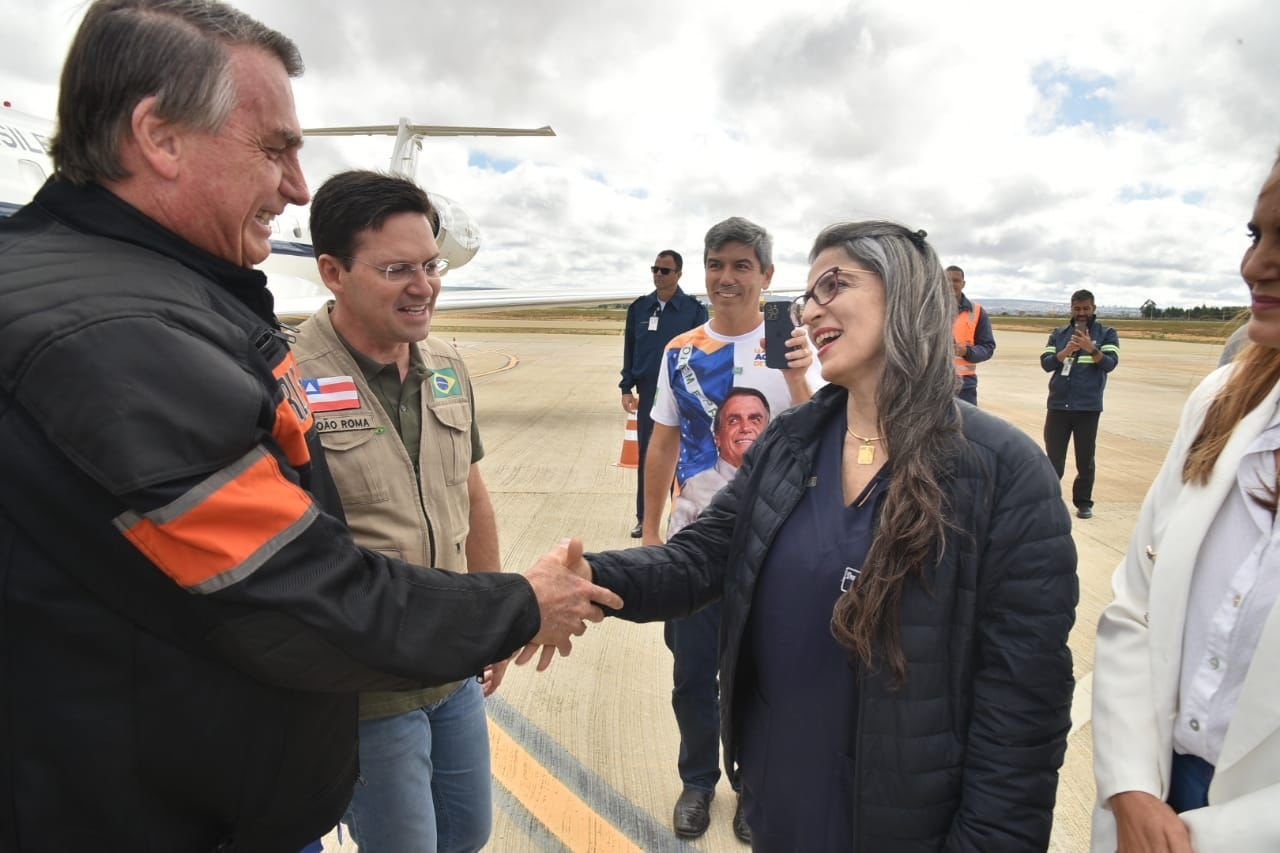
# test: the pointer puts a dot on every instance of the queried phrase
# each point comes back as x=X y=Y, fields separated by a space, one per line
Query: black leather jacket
x=964 y=755
x=185 y=617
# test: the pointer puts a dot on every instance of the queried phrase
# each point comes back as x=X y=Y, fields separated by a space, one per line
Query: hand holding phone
x=777 y=332
x=1081 y=336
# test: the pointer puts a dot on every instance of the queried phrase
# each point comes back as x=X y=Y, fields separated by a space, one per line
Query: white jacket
x=1138 y=659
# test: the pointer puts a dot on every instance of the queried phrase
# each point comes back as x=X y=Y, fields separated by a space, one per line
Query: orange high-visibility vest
x=963 y=330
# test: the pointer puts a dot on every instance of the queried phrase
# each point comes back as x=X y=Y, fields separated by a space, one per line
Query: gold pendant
x=866 y=454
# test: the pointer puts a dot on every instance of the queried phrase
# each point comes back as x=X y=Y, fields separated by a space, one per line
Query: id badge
x=653 y=323
x=1066 y=367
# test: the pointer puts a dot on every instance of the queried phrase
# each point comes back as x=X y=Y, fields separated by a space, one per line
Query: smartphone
x=777 y=332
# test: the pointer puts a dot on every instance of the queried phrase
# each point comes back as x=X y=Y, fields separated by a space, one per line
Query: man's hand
x=1144 y=824
x=566 y=602
x=630 y=403
x=491 y=680
x=799 y=353
x=1081 y=341
x=961 y=349
x=799 y=357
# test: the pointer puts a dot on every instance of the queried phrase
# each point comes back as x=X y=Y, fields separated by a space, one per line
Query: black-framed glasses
x=662 y=270
x=404 y=272
x=827 y=287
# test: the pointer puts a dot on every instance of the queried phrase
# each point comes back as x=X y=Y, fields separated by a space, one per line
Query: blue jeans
x=1189 y=783
x=695 y=696
x=424 y=782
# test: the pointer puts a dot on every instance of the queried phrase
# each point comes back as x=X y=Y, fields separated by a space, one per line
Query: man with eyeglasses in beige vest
x=396 y=416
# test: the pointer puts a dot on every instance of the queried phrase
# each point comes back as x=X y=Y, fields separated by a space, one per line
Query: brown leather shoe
x=692 y=814
x=740 y=827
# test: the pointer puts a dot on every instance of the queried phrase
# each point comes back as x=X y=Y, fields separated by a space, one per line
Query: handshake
x=567 y=600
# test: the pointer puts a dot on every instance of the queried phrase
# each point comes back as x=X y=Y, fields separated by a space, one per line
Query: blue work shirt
x=642 y=349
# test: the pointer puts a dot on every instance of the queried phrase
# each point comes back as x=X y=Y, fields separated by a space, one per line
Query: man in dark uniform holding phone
x=652 y=320
x=1079 y=356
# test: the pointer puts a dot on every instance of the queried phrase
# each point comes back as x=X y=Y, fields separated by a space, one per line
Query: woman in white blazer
x=1186 y=703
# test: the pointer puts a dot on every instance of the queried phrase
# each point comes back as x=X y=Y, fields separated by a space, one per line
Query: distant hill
x=1042 y=308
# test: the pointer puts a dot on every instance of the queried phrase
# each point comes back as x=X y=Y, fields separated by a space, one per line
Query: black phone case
x=777 y=331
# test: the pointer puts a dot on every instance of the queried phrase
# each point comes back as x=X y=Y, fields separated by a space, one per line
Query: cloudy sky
x=1113 y=145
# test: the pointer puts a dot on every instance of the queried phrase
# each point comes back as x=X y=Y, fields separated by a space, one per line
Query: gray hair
x=735 y=229
x=918 y=416
x=919 y=312
x=127 y=50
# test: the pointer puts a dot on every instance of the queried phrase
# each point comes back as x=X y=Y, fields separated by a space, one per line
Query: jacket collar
x=93 y=209
x=677 y=300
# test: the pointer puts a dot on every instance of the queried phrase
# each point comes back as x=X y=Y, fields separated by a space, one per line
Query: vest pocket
x=454 y=446
x=349 y=462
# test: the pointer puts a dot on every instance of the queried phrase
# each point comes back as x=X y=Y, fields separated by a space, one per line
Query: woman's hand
x=1145 y=824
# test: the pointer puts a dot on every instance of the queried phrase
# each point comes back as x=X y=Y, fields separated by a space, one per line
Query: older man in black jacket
x=186 y=618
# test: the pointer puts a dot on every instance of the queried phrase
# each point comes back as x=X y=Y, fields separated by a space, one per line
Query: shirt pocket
x=350 y=457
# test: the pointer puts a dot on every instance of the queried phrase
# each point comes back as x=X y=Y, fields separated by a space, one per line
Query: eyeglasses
x=406 y=271
x=662 y=270
x=827 y=287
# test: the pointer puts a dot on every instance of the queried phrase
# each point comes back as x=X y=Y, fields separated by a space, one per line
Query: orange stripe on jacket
x=223 y=529
x=293 y=415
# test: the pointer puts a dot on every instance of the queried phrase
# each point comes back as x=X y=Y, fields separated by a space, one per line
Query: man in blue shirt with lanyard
x=653 y=320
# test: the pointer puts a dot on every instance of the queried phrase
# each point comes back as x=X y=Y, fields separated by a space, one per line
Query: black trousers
x=644 y=431
x=1059 y=428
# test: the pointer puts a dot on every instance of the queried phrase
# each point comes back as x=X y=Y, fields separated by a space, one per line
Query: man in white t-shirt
x=698 y=370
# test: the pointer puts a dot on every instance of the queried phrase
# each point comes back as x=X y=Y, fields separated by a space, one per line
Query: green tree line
x=1151 y=311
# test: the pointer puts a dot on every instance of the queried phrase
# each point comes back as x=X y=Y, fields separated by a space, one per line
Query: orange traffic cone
x=630 y=457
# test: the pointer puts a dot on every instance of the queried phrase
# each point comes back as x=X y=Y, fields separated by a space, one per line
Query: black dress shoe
x=1084 y=512
x=692 y=814
x=740 y=827
x=637 y=531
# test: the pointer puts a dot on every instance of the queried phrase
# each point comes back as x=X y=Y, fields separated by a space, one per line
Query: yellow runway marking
x=557 y=808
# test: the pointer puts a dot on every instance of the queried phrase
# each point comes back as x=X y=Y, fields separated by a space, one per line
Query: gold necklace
x=866 y=452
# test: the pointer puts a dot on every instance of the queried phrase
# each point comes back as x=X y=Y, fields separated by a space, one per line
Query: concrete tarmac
x=584 y=754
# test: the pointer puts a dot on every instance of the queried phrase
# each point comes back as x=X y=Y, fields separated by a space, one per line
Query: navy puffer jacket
x=965 y=755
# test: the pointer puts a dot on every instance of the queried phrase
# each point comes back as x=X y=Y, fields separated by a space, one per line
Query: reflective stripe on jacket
x=1081 y=389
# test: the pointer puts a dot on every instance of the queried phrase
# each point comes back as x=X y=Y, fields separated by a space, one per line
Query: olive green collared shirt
x=402 y=400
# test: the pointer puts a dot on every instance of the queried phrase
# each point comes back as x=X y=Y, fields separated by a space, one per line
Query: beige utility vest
x=423 y=519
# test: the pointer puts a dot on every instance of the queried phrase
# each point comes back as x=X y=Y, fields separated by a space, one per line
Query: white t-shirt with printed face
x=698 y=370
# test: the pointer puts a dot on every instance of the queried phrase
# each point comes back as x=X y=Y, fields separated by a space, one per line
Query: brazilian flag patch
x=444 y=383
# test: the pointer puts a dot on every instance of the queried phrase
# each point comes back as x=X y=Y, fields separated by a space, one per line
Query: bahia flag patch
x=331 y=393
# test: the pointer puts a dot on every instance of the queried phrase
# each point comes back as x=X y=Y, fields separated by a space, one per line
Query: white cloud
x=1044 y=147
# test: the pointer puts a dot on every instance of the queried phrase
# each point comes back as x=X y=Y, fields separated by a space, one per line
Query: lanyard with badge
x=653 y=318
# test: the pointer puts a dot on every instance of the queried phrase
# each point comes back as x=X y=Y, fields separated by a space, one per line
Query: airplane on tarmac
x=291 y=269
